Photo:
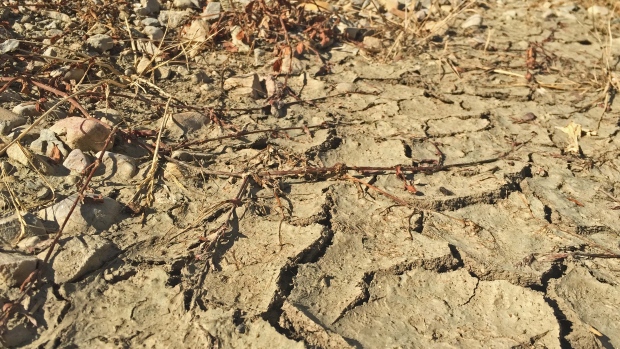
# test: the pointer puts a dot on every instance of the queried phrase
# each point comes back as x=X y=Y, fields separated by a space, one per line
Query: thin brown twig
x=245 y=133
x=48 y=88
x=210 y=247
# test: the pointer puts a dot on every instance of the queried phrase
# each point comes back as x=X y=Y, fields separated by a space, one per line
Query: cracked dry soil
x=507 y=246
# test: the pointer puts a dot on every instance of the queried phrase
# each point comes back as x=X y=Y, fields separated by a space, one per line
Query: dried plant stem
x=209 y=248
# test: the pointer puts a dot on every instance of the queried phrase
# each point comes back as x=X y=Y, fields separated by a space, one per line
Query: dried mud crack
x=309 y=174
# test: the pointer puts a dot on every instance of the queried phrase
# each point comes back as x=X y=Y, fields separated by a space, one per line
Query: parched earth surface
x=485 y=214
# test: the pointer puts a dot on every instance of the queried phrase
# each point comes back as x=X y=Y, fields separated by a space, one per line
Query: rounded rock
x=9 y=120
x=100 y=42
x=83 y=134
x=93 y=212
x=154 y=33
x=76 y=161
x=473 y=21
x=116 y=166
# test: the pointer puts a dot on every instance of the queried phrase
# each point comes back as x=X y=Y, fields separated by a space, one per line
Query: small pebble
x=76 y=161
x=373 y=44
x=9 y=120
x=100 y=42
x=151 y=22
x=163 y=73
x=154 y=33
x=212 y=11
x=199 y=78
x=84 y=134
x=9 y=45
x=53 y=32
x=143 y=65
x=173 y=19
x=44 y=193
x=473 y=21
x=598 y=11
x=75 y=74
x=117 y=166
x=150 y=6
x=185 y=4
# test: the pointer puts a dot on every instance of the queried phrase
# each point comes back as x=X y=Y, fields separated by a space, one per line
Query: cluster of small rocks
x=65 y=149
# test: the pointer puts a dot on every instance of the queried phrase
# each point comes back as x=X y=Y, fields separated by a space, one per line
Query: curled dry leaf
x=277 y=65
x=300 y=48
x=573 y=130
x=56 y=156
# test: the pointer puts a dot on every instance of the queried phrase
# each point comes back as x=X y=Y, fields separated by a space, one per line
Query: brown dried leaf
x=230 y=47
x=410 y=188
x=241 y=35
x=573 y=130
x=56 y=156
x=277 y=65
x=300 y=48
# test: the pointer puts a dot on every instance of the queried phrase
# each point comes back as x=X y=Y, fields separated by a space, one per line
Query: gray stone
x=79 y=255
x=10 y=96
x=212 y=11
x=26 y=110
x=57 y=16
x=100 y=42
x=163 y=73
x=30 y=109
x=116 y=166
x=44 y=145
x=151 y=6
x=84 y=134
x=29 y=244
x=11 y=227
x=154 y=33
x=75 y=74
x=148 y=47
x=143 y=65
x=185 y=4
x=182 y=123
x=15 y=268
x=151 y=22
x=597 y=10
x=24 y=157
x=9 y=45
x=9 y=120
x=93 y=212
x=53 y=32
x=199 y=77
x=76 y=161
x=473 y=21
x=50 y=52
x=373 y=44
x=142 y=11
x=173 y=19
x=44 y=193
x=108 y=115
